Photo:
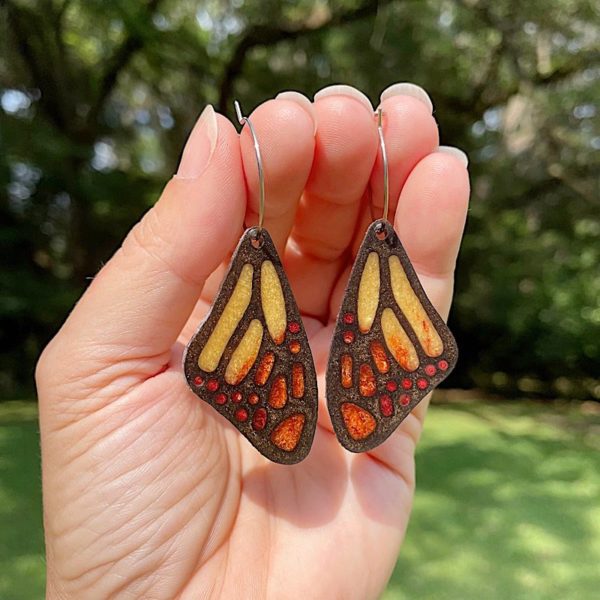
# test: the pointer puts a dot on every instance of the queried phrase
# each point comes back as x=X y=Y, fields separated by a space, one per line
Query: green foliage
x=22 y=567
x=96 y=99
x=506 y=505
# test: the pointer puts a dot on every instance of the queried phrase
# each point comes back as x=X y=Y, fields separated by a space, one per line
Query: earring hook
x=261 y=174
x=386 y=179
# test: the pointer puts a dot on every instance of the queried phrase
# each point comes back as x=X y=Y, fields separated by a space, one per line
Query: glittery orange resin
x=250 y=359
x=390 y=347
x=287 y=434
x=359 y=422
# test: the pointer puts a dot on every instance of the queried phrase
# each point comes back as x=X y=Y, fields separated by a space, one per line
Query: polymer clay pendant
x=390 y=347
x=250 y=358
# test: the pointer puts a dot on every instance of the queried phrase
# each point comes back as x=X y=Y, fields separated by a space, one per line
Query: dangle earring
x=390 y=347
x=250 y=358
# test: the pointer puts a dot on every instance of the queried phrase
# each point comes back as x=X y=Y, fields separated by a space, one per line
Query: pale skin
x=148 y=492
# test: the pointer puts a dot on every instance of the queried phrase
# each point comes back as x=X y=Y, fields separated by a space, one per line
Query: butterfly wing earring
x=250 y=358
x=390 y=346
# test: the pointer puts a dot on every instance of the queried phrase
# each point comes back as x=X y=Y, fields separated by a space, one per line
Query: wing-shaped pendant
x=250 y=359
x=390 y=346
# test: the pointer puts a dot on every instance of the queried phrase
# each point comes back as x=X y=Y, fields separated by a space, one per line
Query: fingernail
x=345 y=90
x=303 y=101
x=200 y=145
x=464 y=159
x=408 y=89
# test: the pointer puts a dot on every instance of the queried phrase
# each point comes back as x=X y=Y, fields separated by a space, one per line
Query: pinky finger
x=430 y=219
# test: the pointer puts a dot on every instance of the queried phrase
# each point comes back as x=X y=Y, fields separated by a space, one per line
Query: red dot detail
x=241 y=414
x=198 y=380
x=391 y=386
x=443 y=365
x=430 y=370
x=406 y=383
x=404 y=399
x=294 y=327
x=212 y=385
x=221 y=398
x=253 y=398
x=348 y=318
x=348 y=337
x=386 y=406
x=259 y=419
x=422 y=383
x=236 y=397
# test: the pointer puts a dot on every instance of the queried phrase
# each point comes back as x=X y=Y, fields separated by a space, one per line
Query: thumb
x=137 y=305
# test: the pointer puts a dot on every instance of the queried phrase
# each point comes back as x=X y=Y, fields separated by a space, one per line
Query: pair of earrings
x=251 y=361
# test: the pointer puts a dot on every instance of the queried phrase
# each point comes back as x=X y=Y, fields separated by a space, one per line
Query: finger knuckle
x=46 y=365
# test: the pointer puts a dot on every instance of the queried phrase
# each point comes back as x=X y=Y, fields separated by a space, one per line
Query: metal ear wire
x=386 y=179
x=261 y=174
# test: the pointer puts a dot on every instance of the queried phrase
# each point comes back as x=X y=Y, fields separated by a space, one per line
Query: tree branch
x=269 y=35
x=117 y=62
x=23 y=25
x=480 y=98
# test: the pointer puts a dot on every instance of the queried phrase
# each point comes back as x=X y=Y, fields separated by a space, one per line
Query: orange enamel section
x=359 y=422
x=278 y=393
x=368 y=293
x=413 y=310
x=244 y=356
x=398 y=342
x=297 y=380
x=380 y=357
x=346 y=370
x=287 y=434
x=366 y=381
x=264 y=368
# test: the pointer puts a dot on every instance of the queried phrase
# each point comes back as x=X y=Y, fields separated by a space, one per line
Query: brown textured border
x=359 y=348
x=307 y=405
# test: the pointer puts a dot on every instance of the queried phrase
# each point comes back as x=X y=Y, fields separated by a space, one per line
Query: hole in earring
x=381 y=231
x=257 y=240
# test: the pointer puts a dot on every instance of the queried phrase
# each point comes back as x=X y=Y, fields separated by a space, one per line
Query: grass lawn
x=507 y=507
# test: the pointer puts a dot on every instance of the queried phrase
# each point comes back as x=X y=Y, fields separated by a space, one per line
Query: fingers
x=135 y=308
x=410 y=133
x=285 y=128
x=346 y=145
x=430 y=219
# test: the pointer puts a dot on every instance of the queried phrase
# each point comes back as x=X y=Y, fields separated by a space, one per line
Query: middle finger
x=346 y=146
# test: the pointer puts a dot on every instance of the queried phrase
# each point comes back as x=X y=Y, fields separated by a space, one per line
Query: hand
x=148 y=492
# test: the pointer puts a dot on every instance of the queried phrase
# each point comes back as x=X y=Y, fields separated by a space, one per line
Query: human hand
x=148 y=492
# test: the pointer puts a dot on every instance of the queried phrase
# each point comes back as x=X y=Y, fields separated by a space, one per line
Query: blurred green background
x=96 y=99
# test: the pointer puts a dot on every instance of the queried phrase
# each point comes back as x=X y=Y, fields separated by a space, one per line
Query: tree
x=97 y=97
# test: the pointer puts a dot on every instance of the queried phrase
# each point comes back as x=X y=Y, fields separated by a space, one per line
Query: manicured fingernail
x=408 y=89
x=345 y=90
x=200 y=145
x=303 y=101
x=464 y=159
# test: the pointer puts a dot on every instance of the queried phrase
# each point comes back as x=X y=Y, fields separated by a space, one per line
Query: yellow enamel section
x=230 y=318
x=368 y=293
x=244 y=356
x=273 y=303
x=413 y=309
x=398 y=342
